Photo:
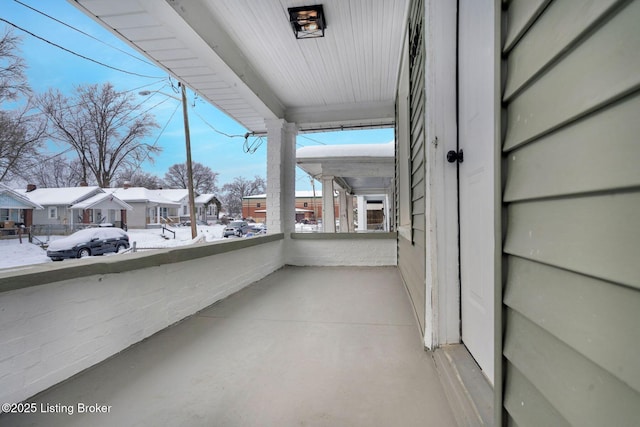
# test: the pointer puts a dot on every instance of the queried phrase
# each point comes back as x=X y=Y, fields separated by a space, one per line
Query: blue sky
x=50 y=66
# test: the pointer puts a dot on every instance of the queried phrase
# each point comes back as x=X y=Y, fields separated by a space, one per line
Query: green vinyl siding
x=521 y=14
x=571 y=292
x=412 y=249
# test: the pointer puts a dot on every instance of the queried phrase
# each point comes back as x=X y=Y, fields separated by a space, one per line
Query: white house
x=208 y=207
x=152 y=207
x=67 y=207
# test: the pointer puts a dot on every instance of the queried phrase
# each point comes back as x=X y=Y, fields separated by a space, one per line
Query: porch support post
x=28 y=217
x=350 y=228
x=362 y=213
x=343 y=208
x=281 y=177
x=387 y=215
x=328 y=210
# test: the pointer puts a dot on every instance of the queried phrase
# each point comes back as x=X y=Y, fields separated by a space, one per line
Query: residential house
x=150 y=207
x=66 y=208
x=516 y=196
x=308 y=206
x=15 y=209
x=208 y=207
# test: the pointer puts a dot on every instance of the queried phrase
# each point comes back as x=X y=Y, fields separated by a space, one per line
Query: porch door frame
x=442 y=325
x=441 y=127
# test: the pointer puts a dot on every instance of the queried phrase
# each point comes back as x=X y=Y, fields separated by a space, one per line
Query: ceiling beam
x=371 y=114
x=221 y=48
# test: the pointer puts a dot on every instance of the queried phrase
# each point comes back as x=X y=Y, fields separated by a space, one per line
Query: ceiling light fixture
x=308 y=22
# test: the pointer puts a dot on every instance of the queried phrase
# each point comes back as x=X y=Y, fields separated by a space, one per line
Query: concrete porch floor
x=305 y=346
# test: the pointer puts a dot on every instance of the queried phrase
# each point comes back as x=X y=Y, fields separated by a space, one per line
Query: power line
x=314 y=140
x=77 y=54
x=144 y=158
x=216 y=130
x=84 y=33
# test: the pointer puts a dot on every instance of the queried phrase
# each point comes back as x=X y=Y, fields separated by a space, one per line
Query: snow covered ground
x=13 y=254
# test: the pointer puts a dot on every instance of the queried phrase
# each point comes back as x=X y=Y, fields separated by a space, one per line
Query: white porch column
x=281 y=164
x=328 y=212
x=343 y=209
x=350 y=228
x=362 y=213
x=387 y=213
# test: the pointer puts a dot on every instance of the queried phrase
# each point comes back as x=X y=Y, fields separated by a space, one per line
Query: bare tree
x=13 y=81
x=239 y=188
x=56 y=172
x=137 y=178
x=21 y=134
x=104 y=128
x=204 y=179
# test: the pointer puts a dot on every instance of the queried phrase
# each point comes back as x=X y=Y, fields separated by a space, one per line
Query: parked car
x=87 y=242
x=259 y=228
x=236 y=228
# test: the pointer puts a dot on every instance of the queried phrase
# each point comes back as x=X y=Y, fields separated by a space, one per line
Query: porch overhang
x=360 y=169
x=256 y=73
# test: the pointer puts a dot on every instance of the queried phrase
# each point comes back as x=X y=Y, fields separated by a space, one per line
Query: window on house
x=184 y=210
x=53 y=212
x=257 y=205
x=306 y=204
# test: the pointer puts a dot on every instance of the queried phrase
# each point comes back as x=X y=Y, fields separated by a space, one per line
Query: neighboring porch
x=303 y=346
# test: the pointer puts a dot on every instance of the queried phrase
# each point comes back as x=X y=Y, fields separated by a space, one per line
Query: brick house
x=308 y=206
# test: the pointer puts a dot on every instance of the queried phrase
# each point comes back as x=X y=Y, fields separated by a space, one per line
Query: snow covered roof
x=347 y=150
x=175 y=195
x=141 y=195
x=102 y=200
x=11 y=199
x=205 y=198
x=60 y=196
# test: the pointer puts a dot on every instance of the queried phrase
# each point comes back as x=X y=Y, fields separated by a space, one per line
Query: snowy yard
x=14 y=254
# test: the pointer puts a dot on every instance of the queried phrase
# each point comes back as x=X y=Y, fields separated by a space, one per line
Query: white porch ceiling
x=242 y=56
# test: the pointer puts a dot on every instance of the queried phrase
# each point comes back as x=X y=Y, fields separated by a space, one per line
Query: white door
x=476 y=172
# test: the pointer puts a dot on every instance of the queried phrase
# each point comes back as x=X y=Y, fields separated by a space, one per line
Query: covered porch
x=303 y=346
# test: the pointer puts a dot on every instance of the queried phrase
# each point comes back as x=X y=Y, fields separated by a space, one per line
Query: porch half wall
x=60 y=320
x=342 y=249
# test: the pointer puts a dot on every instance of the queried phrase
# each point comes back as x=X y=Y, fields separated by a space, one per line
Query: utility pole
x=192 y=199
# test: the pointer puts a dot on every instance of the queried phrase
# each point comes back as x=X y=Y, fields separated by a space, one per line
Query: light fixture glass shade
x=308 y=21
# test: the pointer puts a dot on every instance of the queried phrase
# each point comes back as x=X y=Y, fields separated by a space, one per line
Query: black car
x=87 y=242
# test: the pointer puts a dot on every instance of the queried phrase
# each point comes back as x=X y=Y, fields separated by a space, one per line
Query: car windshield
x=236 y=224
